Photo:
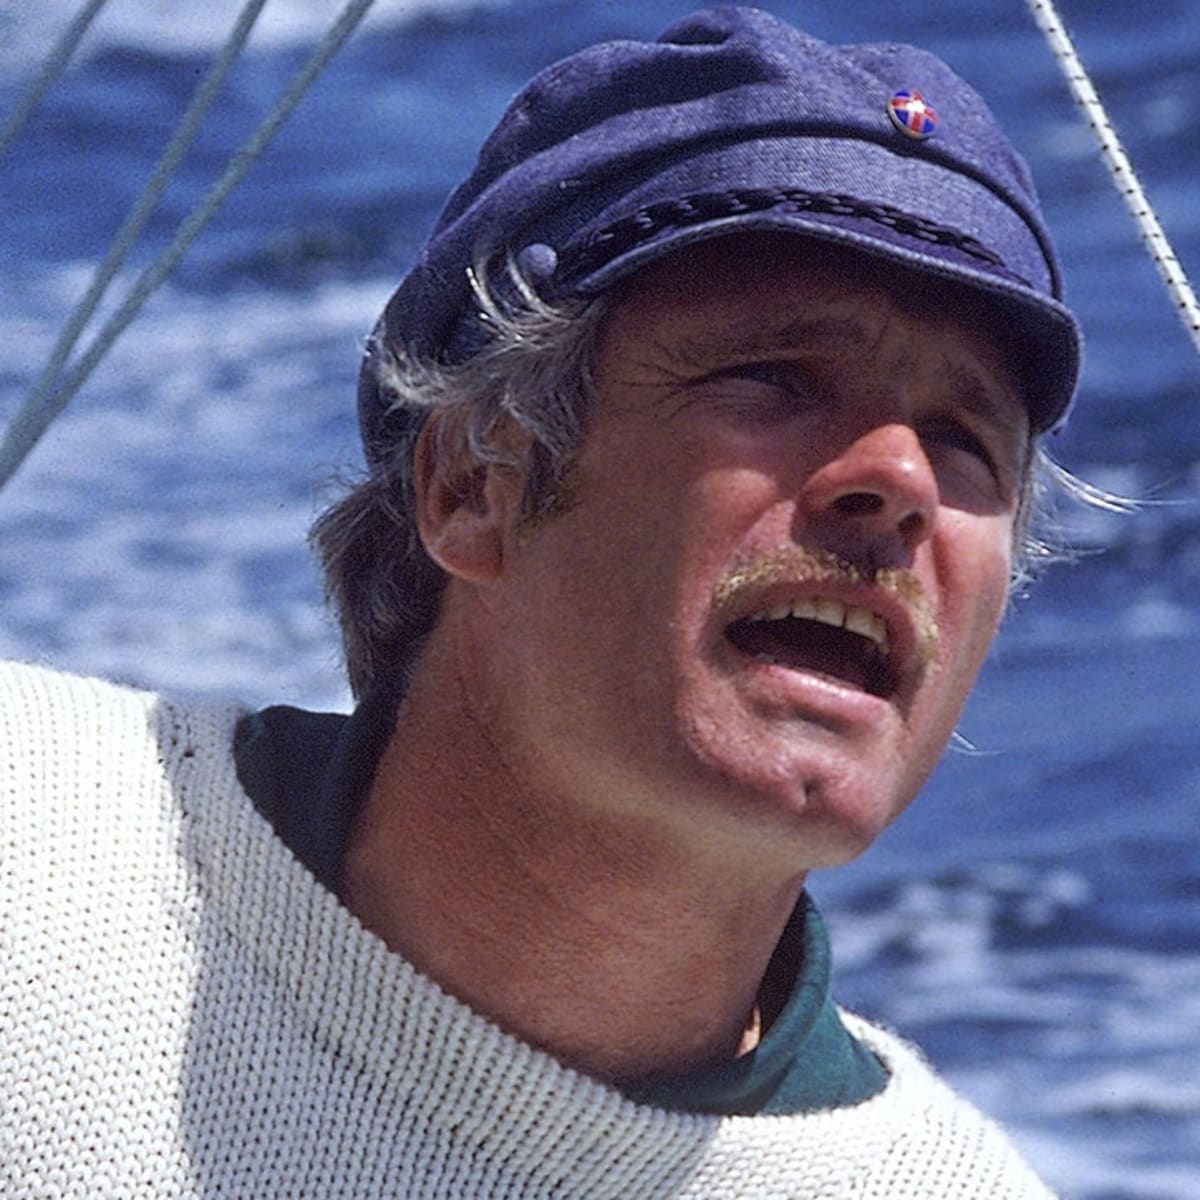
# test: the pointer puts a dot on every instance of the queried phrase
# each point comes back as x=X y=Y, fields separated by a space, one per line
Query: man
x=700 y=443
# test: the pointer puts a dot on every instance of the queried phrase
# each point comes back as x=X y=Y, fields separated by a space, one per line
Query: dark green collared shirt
x=307 y=773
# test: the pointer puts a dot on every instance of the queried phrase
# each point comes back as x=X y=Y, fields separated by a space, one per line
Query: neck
x=608 y=944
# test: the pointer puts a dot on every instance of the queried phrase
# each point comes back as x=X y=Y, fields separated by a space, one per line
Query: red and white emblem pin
x=911 y=115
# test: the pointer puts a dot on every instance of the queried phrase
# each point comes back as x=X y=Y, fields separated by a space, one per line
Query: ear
x=466 y=510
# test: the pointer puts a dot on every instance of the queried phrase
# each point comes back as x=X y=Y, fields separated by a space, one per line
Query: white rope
x=139 y=214
x=52 y=68
x=1118 y=163
x=43 y=405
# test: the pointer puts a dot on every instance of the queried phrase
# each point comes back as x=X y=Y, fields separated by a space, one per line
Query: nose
x=877 y=500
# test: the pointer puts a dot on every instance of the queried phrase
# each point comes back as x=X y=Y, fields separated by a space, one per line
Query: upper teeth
x=832 y=612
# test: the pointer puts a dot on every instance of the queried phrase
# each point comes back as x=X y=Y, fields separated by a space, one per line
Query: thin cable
x=1118 y=163
x=28 y=425
x=139 y=214
x=52 y=68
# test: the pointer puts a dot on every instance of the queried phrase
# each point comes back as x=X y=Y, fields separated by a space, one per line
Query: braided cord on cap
x=637 y=228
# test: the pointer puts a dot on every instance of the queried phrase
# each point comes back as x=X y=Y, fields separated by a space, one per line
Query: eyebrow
x=745 y=338
x=1001 y=405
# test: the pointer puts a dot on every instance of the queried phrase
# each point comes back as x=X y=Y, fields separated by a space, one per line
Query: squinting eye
x=959 y=438
x=950 y=435
x=786 y=376
x=765 y=390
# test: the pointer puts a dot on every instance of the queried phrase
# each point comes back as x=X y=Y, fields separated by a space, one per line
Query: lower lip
x=813 y=694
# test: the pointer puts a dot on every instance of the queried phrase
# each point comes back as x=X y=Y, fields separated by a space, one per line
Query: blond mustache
x=819 y=568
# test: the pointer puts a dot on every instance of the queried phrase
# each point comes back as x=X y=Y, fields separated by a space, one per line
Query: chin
x=833 y=830
x=835 y=845
x=816 y=819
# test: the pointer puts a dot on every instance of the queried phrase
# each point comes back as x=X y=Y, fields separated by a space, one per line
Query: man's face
x=787 y=554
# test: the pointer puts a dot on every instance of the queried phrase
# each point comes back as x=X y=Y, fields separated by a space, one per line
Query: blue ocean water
x=1034 y=920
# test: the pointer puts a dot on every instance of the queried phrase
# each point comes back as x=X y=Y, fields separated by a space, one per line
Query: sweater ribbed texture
x=186 y=1012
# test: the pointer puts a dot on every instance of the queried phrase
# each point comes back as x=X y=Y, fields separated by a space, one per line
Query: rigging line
x=35 y=416
x=1118 y=163
x=139 y=214
x=52 y=68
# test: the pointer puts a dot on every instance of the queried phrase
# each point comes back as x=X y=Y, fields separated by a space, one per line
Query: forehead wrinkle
x=752 y=335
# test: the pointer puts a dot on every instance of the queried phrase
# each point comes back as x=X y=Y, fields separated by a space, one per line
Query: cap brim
x=668 y=210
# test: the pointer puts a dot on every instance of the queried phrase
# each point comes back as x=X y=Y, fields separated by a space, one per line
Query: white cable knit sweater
x=185 y=1011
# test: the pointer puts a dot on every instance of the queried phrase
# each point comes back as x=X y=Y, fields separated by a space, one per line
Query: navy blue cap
x=734 y=121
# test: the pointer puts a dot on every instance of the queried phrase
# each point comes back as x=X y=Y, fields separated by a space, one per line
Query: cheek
x=975 y=586
x=725 y=516
x=726 y=503
x=974 y=592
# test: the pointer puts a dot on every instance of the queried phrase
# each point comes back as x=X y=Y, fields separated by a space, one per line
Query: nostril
x=859 y=504
x=912 y=525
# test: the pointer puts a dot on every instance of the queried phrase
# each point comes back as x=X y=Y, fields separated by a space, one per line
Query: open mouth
x=824 y=636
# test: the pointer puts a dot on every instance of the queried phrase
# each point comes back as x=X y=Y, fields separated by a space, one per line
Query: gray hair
x=534 y=371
